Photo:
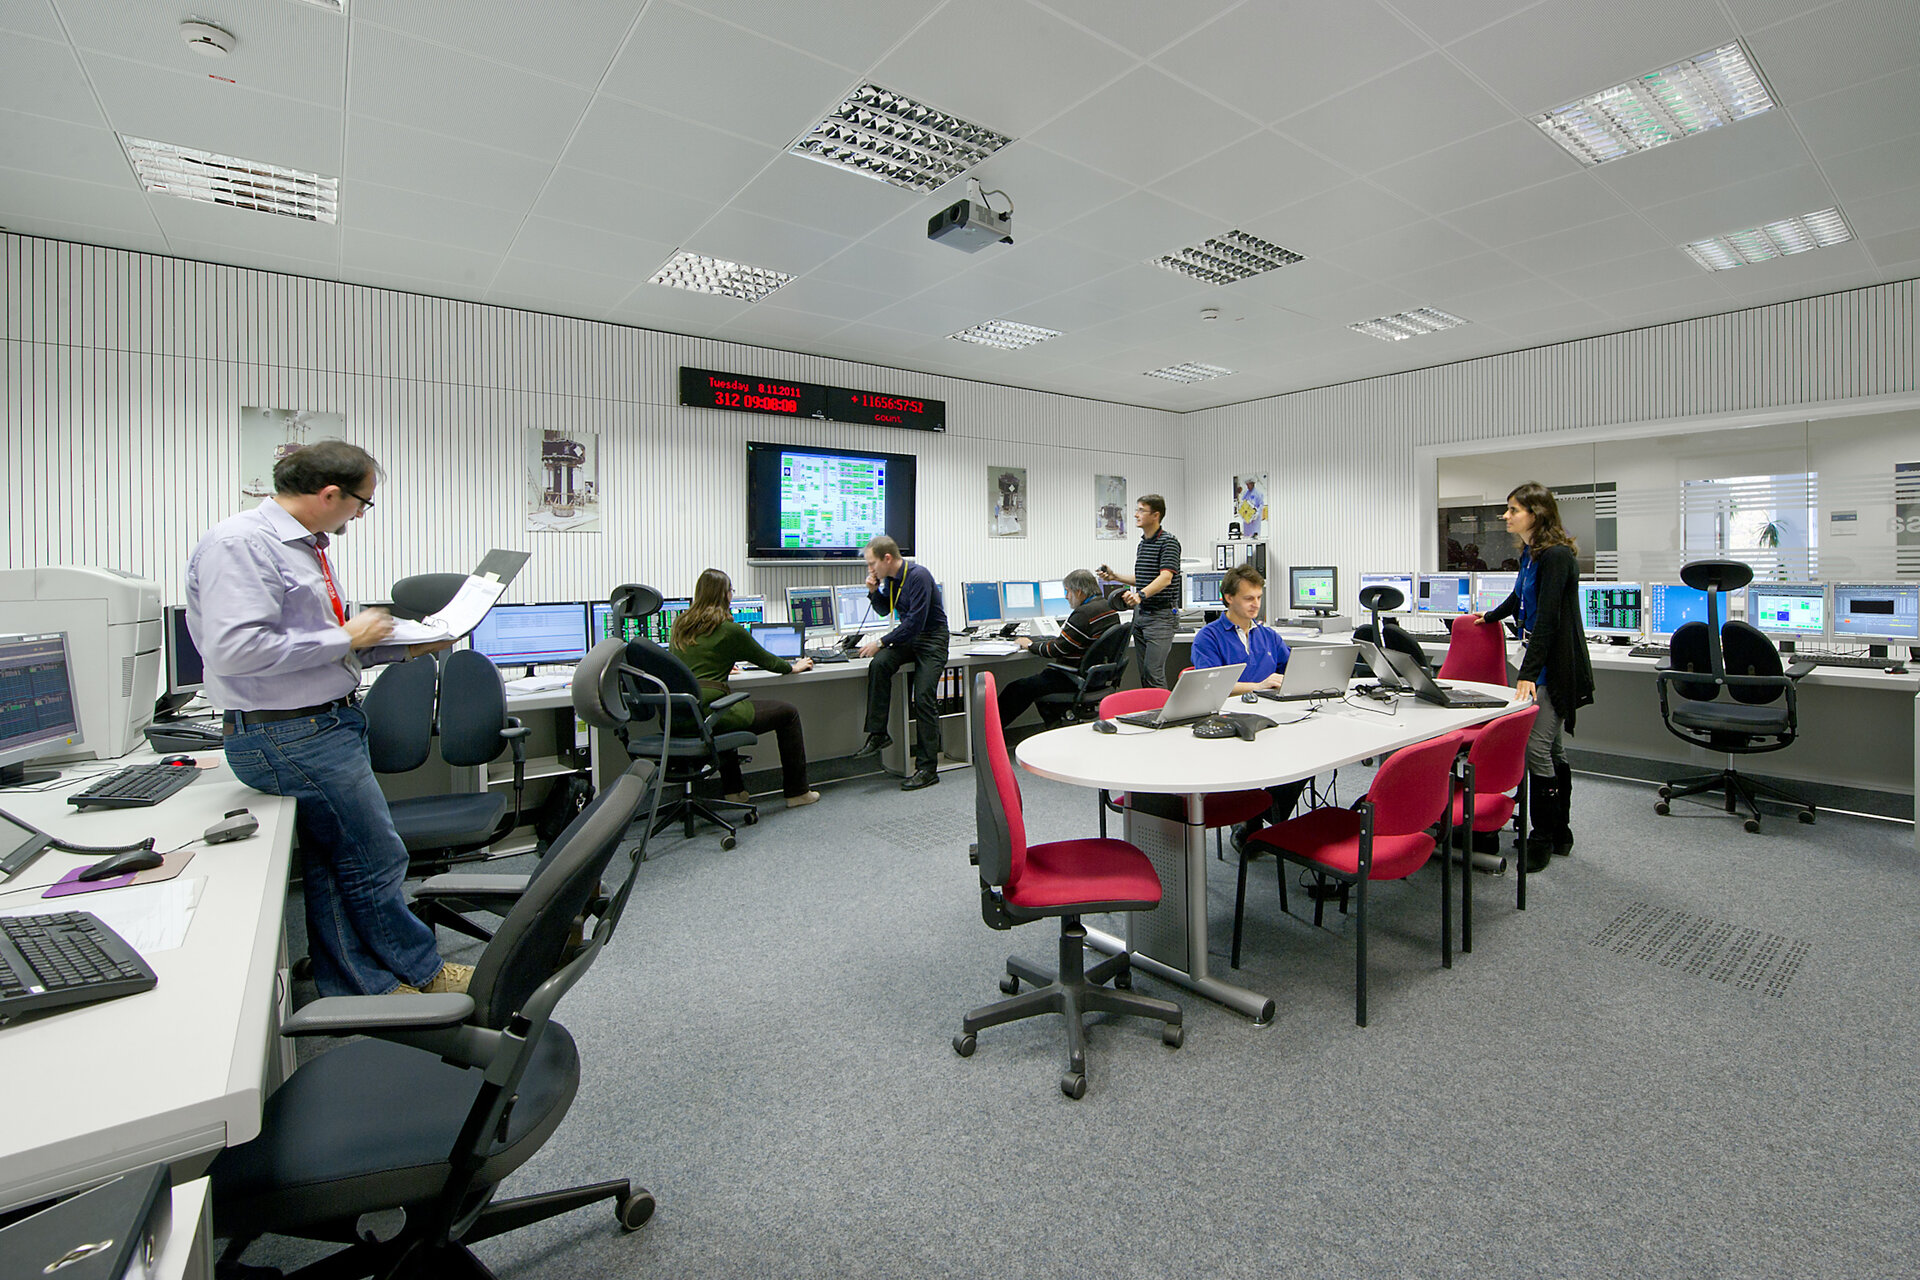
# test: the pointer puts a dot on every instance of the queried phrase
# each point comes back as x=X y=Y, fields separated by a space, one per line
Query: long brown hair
x=1545 y=510
x=712 y=592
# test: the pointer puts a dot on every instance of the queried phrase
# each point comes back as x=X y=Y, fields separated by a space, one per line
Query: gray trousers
x=1153 y=637
x=1547 y=744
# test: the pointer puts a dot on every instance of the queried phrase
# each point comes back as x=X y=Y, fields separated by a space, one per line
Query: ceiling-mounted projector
x=970 y=224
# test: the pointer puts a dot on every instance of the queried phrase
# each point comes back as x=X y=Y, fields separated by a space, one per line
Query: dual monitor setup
x=1016 y=601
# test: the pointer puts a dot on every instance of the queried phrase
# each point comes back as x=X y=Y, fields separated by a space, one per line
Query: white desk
x=1171 y=940
x=175 y=1073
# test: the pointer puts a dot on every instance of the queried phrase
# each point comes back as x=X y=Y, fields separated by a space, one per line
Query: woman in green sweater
x=710 y=642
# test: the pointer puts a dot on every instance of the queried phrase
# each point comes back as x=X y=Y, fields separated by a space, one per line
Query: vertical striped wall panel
x=1345 y=486
x=125 y=374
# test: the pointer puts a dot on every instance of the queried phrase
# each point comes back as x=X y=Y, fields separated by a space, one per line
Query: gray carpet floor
x=1693 y=1055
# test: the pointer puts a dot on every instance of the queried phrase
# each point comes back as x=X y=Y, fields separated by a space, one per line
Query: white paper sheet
x=151 y=917
x=461 y=615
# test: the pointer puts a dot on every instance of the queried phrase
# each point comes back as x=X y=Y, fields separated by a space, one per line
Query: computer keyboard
x=135 y=787
x=827 y=655
x=68 y=958
x=1650 y=651
x=1859 y=660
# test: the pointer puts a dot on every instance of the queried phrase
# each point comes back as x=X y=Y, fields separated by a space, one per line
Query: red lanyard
x=333 y=592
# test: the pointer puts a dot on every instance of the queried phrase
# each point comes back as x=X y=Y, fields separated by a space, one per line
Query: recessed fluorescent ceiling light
x=333 y=6
x=1408 y=324
x=1008 y=335
x=1775 y=240
x=886 y=135
x=1225 y=259
x=240 y=184
x=1703 y=92
x=1189 y=372
x=700 y=274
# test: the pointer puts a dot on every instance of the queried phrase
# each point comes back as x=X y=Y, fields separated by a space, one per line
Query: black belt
x=233 y=721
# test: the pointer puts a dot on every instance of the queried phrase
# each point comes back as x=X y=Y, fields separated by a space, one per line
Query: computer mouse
x=1105 y=726
x=179 y=760
x=1896 y=669
x=122 y=864
x=1249 y=697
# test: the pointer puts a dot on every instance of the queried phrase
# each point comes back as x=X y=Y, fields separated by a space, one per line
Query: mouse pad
x=70 y=883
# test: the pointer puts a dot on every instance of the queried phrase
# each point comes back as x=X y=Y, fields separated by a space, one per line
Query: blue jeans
x=362 y=937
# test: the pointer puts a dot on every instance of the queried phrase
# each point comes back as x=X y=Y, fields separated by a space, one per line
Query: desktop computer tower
x=112 y=622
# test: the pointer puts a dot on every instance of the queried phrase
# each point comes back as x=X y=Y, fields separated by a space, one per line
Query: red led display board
x=750 y=393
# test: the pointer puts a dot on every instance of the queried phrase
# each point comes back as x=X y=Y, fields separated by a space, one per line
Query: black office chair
x=1387 y=635
x=394 y=1145
x=425 y=593
x=1761 y=712
x=692 y=747
x=629 y=603
x=470 y=717
x=1098 y=673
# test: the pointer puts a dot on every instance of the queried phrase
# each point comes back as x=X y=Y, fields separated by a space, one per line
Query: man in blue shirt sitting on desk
x=907 y=593
x=1238 y=635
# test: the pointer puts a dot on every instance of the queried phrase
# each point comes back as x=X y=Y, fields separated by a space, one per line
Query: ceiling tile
x=1141 y=227
x=1333 y=218
x=372 y=207
x=51 y=199
x=1362 y=302
x=1876 y=170
x=572 y=42
x=1273 y=59
x=1134 y=288
x=1572 y=201
x=1660 y=266
x=1593 y=46
x=1837 y=123
x=896 y=272
x=42 y=78
x=1518 y=298
x=641 y=145
x=422 y=259
x=1508 y=158
x=1142 y=127
x=149 y=241
x=194 y=111
x=1878 y=215
x=246 y=229
x=1409 y=248
x=1604 y=241
x=1548 y=324
x=825 y=298
x=688 y=64
x=1837 y=46
x=1699 y=295
x=32 y=18
x=1448 y=20
x=658 y=306
x=1752 y=15
x=228 y=254
x=926 y=315
x=1469 y=275
x=566 y=244
x=413 y=160
x=987 y=296
x=542 y=286
x=1052 y=263
x=1255 y=175
x=1407 y=112
x=1049 y=66
x=625 y=208
x=849 y=33
x=824 y=197
x=63 y=149
x=768 y=325
x=1743 y=204
x=1143 y=27
x=764 y=242
x=1764 y=143
x=1898 y=251
x=1313 y=278
x=1048 y=189
x=428 y=86
x=287 y=50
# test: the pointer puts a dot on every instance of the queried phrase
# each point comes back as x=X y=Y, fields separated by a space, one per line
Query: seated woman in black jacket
x=1555 y=671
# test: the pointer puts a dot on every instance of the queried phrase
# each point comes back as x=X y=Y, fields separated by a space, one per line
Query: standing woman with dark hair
x=1554 y=671
x=709 y=641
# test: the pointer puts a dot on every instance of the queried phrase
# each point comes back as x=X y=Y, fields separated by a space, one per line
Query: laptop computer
x=1316 y=671
x=1200 y=693
x=1427 y=689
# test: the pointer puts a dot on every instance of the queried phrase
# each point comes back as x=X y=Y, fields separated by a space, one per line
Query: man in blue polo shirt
x=1238 y=635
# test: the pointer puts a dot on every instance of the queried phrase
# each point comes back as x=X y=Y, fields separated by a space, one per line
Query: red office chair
x=1492 y=790
x=1064 y=878
x=1476 y=651
x=1223 y=808
x=1383 y=837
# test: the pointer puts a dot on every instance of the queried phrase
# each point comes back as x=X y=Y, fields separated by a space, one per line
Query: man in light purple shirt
x=283 y=660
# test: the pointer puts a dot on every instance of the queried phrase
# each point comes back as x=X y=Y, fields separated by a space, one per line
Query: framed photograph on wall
x=1110 y=508
x=563 y=481
x=1006 y=502
x=1248 y=517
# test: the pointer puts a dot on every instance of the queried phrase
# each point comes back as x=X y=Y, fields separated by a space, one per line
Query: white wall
x=1353 y=466
x=124 y=375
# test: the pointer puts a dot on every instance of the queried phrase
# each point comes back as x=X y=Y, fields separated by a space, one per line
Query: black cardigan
x=1557 y=645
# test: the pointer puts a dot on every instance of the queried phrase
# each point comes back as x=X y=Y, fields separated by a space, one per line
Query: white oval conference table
x=1171 y=940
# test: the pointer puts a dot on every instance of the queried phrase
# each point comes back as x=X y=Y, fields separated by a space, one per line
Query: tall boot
x=1563 y=834
x=1543 y=821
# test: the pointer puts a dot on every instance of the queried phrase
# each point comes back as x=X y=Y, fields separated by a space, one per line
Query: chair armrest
x=373 y=1015
x=471 y=886
x=515 y=731
x=1800 y=669
x=726 y=700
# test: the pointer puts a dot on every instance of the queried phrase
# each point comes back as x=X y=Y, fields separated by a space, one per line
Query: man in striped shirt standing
x=1092 y=617
x=1155 y=598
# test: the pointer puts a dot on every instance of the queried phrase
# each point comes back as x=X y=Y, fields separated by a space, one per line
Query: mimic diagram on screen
x=831 y=502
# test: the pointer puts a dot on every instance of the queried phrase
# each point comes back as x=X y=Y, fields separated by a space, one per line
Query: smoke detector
x=206 y=39
x=1209 y=313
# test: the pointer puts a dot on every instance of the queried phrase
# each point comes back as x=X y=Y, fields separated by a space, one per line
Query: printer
x=112 y=621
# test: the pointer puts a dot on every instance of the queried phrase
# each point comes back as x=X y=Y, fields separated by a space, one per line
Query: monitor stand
x=18 y=775
x=169 y=705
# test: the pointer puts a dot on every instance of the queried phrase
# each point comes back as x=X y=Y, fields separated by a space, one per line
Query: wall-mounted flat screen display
x=807 y=502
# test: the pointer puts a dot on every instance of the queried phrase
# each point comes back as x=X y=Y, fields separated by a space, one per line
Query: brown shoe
x=798 y=802
x=452 y=979
x=739 y=797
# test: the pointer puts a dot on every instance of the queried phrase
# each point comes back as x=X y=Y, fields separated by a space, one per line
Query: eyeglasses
x=366 y=504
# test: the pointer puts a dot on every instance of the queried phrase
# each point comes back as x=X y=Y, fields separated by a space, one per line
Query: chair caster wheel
x=750 y=818
x=1074 y=1085
x=1666 y=793
x=1173 y=1035
x=963 y=1044
x=303 y=968
x=1752 y=827
x=1806 y=816
x=635 y=1210
x=727 y=842
x=1662 y=808
x=1010 y=985
x=1123 y=981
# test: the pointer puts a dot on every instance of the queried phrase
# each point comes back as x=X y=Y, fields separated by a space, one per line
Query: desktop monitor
x=601 y=626
x=1053 y=599
x=530 y=635
x=1611 y=609
x=1019 y=600
x=781 y=639
x=1788 y=610
x=1314 y=587
x=1443 y=593
x=185 y=672
x=981 y=601
x=1671 y=605
x=658 y=627
x=811 y=607
x=1490 y=590
x=38 y=715
x=1877 y=613
x=1401 y=582
x=852 y=609
x=1204 y=588
x=748 y=609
